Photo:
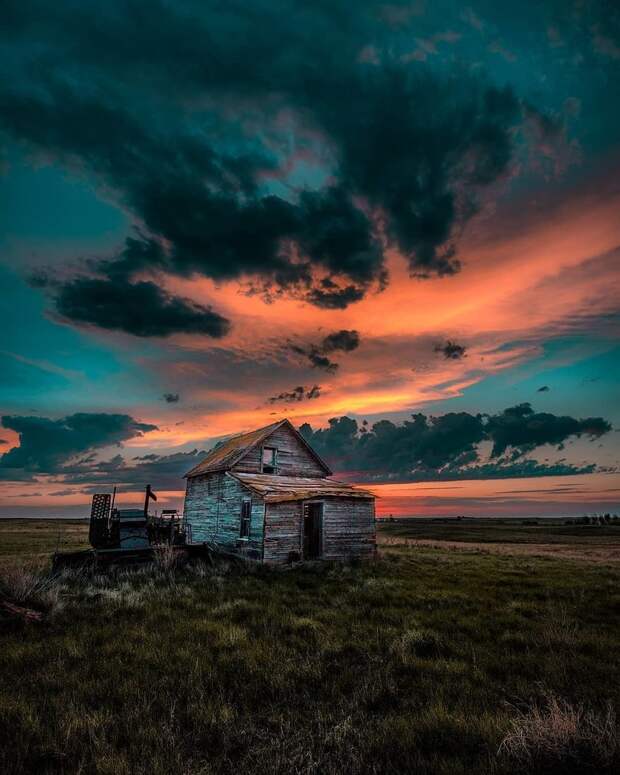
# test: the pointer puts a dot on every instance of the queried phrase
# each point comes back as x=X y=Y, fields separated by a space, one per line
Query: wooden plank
x=28 y=615
x=282 y=531
x=349 y=529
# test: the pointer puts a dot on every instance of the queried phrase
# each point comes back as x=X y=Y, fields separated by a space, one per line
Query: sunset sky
x=214 y=215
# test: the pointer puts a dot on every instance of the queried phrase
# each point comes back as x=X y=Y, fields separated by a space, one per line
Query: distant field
x=430 y=660
x=32 y=541
x=547 y=538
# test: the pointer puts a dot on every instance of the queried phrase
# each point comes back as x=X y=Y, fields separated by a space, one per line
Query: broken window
x=246 y=518
x=269 y=460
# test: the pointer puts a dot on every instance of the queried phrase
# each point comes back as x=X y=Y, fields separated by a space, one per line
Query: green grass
x=424 y=661
x=32 y=541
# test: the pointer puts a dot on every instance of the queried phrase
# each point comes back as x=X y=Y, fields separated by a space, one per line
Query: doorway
x=313 y=530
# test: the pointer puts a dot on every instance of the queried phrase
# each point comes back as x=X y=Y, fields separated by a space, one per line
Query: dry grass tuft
x=557 y=735
x=165 y=558
x=31 y=588
x=560 y=630
x=422 y=643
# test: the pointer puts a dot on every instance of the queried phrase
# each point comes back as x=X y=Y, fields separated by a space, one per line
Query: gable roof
x=275 y=489
x=229 y=452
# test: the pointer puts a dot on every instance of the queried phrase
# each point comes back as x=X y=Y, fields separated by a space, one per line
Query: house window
x=246 y=518
x=209 y=486
x=269 y=460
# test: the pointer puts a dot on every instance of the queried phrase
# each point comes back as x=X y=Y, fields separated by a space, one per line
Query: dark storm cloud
x=46 y=446
x=164 y=472
x=299 y=393
x=449 y=445
x=181 y=110
x=343 y=340
x=451 y=351
x=421 y=443
x=338 y=341
x=424 y=447
x=171 y=398
x=140 y=308
x=522 y=429
x=521 y=469
x=328 y=296
x=319 y=361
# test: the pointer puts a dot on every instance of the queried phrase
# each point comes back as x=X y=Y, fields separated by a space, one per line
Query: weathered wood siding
x=348 y=529
x=282 y=531
x=294 y=459
x=215 y=517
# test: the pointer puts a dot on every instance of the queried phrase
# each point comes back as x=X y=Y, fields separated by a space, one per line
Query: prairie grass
x=29 y=587
x=559 y=737
x=548 y=538
x=32 y=541
x=424 y=661
x=504 y=531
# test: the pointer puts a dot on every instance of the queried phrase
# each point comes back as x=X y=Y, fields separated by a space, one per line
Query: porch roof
x=274 y=489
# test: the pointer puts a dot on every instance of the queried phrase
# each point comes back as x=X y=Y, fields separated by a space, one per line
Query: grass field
x=433 y=659
x=521 y=537
x=32 y=541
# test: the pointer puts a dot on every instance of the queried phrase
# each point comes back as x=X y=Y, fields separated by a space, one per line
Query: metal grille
x=100 y=508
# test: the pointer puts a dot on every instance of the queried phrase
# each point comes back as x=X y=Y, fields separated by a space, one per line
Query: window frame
x=273 y=465
x=245 y=520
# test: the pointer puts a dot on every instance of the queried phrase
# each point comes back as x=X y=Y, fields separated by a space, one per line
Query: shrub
x=562 y=737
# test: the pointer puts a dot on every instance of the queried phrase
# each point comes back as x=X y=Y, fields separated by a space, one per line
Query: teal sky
x=303 y=211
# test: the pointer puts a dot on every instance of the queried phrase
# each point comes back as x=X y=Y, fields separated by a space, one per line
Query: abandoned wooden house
x=266 y=495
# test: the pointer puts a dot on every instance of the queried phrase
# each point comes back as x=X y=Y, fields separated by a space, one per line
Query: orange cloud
x=548 y=270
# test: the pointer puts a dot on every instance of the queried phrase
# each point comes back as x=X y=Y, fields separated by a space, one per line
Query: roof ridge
x=234 y=453
x=225 y=439
x=230 y=451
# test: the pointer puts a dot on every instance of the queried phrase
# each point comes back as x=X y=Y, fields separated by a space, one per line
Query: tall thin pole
x=111 y=509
